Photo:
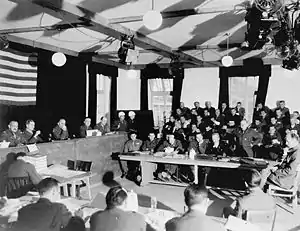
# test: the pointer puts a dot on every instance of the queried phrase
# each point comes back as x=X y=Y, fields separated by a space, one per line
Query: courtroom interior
x=135 y=115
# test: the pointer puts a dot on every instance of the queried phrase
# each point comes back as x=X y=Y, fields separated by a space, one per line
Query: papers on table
x=32 y=148
x=4 y=144
x=93 y=132
x=237 y=224
x=61 y=171
x=158 y=218
x=39 y=161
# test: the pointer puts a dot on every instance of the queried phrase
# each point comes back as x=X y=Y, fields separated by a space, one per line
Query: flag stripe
x=18 y=95
x=18 y=103
x=17 y=86
x=13 y=63
x=18 y=90
x=13 y=77
x=14 y=68
x=18 y=74
x=17 y=55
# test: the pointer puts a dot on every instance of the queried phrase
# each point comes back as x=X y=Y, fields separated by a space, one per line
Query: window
x=160 y=100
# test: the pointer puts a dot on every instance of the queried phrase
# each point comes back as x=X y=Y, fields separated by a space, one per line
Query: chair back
x=263 y=218
x=83 y=165
x=71 y=164
x=18 y=186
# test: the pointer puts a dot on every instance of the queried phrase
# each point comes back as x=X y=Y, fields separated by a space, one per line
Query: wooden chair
x=84 y=166
x=289 y=193
x=18 y=186
x=262 y=218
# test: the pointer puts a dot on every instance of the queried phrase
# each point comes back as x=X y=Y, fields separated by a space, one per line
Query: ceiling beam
x=58 y=27
x=45 y=46
x=102 y=25
x=174 y=14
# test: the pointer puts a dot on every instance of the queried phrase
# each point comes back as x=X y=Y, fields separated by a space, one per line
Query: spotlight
x=152 y=20
x=59 y=59
x=126 y=44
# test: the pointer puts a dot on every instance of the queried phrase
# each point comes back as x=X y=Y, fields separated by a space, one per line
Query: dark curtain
x=113 y=99
x=263 y=84
x=224 y=86
x=177 y=89
x=144 y=92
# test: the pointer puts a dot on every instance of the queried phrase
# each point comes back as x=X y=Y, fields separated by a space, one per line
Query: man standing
x=132 y=125
x=121 y=125
x=86 y=126
x=12 y=135
x=46 y=214
x=247 y=138
x=30 y=135
x=60 y=131
x=196 y=199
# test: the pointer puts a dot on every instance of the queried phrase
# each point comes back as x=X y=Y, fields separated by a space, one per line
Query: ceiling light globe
x=59 y=59
x=227 y=61
x=152 y=20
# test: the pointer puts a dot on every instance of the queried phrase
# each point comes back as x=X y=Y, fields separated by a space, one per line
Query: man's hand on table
x=78 y=213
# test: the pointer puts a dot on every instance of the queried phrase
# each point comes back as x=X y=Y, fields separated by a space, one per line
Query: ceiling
x=196 y=31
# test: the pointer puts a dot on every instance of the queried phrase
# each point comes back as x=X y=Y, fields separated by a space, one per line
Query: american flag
x=18 y=77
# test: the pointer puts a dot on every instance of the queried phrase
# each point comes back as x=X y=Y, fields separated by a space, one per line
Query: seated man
x=272 y=144
x=255 y=199
x=22 y=177
x=196 y=199
x=31 y=136
x=46 y=214
x=115 y=217
x=86 y=126
x=283 y=175
x=60 y=131
x=133 y=145
x=199 y=145
x=151 y=144
x=12 y=135
x=103 y=126
x=217 y=147
x=121 y=125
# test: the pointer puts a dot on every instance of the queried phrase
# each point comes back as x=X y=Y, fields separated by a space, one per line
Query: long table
x=149 y=162
x=97 y=149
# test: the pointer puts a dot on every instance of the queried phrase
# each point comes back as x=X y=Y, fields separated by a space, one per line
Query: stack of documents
x=39 y=161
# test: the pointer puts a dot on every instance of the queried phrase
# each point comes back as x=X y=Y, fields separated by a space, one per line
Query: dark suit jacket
x=14 y=139
x=59 y=134
x=29 y=138
x=285 y=174
x=177 y=146
x=120 y=126
x=83 y=129
x=193 y=221
x=42 y=216
x=246 y=140
x=117 y=220
x=199 y=149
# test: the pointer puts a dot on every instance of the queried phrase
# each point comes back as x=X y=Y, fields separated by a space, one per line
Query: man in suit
x=247 y=138
x=255 y=199
x=283 y=175
x=46 y=214
x=22 y=177
x=60 y=131
x=86 y=126
x=31 y=136
x=115 y=217
x=196 y=199
x=12 y=135
x=240 y=110
x=132 y=124
x=103 y=126
x=199 y=145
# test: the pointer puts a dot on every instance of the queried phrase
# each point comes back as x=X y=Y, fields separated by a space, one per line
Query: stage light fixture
x=126 y=44
x=59 y=59
x=227 y=61
x=152 y=20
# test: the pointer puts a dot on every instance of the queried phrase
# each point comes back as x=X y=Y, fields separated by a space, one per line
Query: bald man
x=12 y=135
x=60 y=131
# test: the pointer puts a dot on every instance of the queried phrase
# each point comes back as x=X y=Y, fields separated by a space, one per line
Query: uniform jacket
x=15 y=139
x=177 y=145
x=199 y=149
x=42 y=216
x=285 y=174
x=246 y=139
x=59 y=134
x=132 y=146
x=193 y=220
x=103 y=129
x=117 y=220
x=150 y=145
x=83 y=129
x=121 y=126
x=29 y=138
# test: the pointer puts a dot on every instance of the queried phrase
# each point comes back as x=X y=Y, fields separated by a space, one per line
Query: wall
x=128 y=91
x=284 y=85
x=200 y=84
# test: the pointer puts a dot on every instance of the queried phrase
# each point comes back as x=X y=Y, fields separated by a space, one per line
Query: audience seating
x=263 y=218
x=18 y=186
x=289 y=193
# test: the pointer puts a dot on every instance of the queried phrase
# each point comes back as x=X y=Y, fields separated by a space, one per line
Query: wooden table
x=149 y=162
x=66 y=176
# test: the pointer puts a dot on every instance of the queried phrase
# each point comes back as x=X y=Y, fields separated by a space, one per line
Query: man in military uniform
x=121 y=124
x=12 y=135
x=30 y=135
x=103 y=126
x=151 y=144
x=86 y=126
x=247 y=139
x=60 y=131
